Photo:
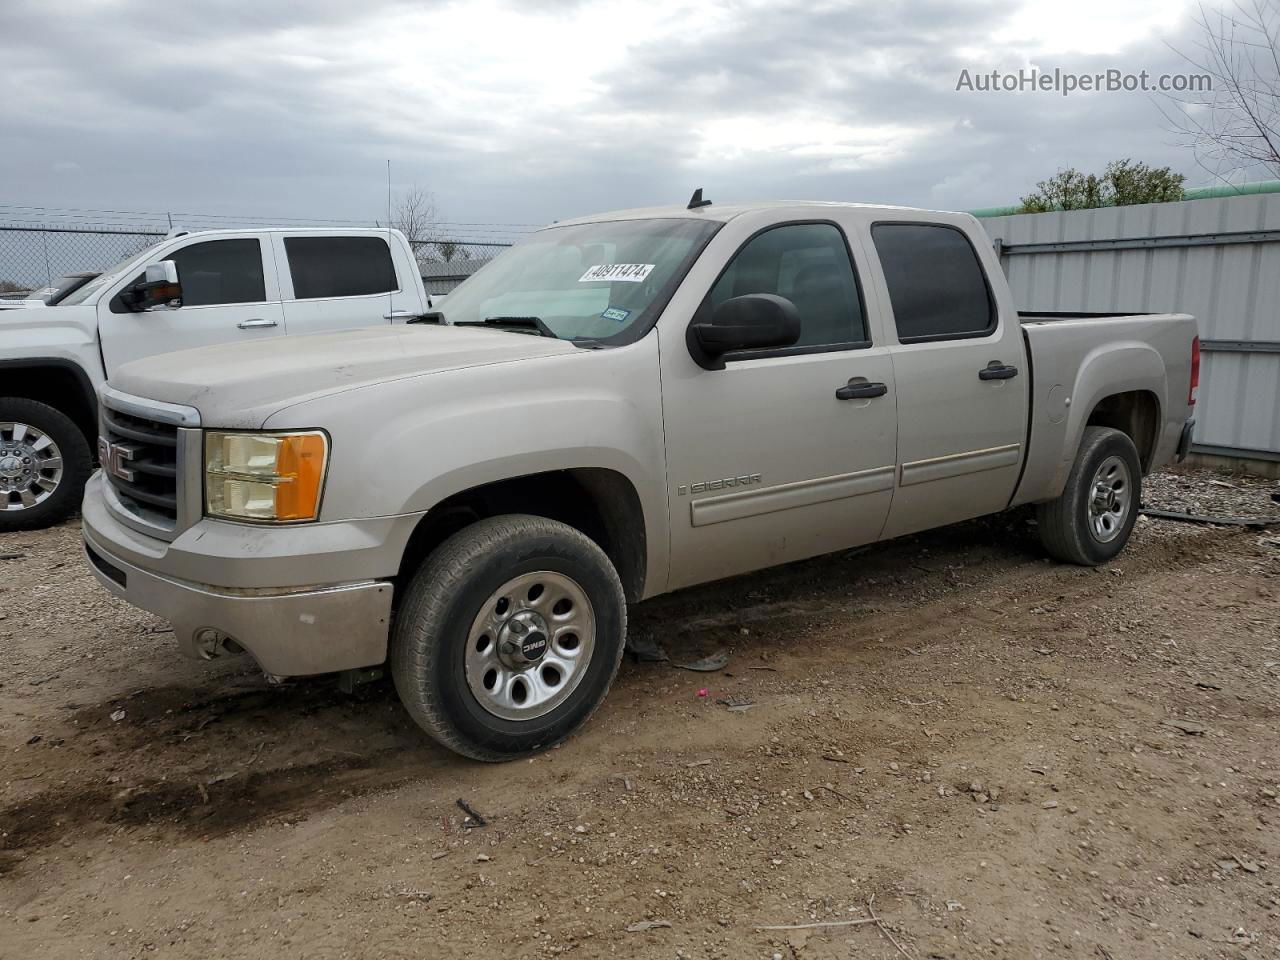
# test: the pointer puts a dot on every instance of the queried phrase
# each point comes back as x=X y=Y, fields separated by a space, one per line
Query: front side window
x=213 y=273
x=601 y=282
x=807 y=263
x=221 y=271
x=339 y=266
x=936 y=284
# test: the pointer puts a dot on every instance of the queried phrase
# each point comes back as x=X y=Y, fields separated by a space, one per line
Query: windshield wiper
x=518 y=324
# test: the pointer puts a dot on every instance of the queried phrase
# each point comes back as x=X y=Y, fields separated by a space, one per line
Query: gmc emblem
x=114 y=457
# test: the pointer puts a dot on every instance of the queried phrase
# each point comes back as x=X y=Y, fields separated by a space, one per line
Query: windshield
x=98 y=282
x=65 y=287
x=591 y=281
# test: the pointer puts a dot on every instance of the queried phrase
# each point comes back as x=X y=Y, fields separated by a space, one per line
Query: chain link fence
x=32 y=256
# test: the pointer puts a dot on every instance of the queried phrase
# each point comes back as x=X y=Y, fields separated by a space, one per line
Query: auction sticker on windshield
x=630 y=272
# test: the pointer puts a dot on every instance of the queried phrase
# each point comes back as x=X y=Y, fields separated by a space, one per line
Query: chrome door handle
x=256 y=323
x=397 y=314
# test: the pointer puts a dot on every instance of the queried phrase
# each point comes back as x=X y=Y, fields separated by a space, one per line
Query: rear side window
x=808 y=263
x=339 y=266
x=936 y=284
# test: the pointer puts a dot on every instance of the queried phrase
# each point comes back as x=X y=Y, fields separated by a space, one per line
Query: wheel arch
x=600 y=502
x=62 y=384
x=1132 y=412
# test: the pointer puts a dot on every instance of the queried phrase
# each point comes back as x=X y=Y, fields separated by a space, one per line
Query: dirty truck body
x=618 y=407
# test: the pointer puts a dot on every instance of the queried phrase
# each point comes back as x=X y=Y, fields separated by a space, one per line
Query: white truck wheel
x=44 y=462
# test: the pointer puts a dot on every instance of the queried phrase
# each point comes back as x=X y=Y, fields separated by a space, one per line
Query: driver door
x=766 y=463
x=229 y=293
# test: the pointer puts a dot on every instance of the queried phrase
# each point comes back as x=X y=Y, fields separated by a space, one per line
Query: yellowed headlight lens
x=266 y=477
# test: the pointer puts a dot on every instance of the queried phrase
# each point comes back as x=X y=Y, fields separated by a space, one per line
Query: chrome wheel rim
x=1110 y=499
x=530 y=645
x=30 y=466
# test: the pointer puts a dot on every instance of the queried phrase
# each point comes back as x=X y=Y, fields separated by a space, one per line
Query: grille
x=143 y=465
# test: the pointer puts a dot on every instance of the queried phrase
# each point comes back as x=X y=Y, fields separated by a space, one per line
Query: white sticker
x=630 y=272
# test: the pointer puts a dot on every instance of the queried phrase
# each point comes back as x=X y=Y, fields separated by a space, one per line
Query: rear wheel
x=1090 y=522
x=44 y=462
x=509 y=637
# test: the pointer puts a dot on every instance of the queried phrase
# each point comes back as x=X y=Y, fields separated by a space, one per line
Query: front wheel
x=44 y=462
x=1090 y=522
x=509 y=637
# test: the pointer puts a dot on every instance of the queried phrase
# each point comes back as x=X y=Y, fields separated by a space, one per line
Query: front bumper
x=301 y=625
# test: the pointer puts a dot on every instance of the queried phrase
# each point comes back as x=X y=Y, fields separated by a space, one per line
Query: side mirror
x=160 y=288
x=751 y=322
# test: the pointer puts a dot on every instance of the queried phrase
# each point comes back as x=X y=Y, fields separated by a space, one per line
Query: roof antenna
x=696 y=200
x=391 y=304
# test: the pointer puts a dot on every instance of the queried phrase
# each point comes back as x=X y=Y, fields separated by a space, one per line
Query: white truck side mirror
x=160 y=288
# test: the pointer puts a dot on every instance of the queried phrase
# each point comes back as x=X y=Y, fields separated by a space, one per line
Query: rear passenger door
x=338 y=282
x=961 y=378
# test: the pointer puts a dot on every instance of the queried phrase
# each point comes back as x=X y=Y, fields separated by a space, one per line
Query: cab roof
x=724 y=212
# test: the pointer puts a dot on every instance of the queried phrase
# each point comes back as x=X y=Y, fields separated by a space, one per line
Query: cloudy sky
x=518 y=113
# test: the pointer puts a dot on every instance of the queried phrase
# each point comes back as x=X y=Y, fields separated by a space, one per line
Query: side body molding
x=803 y=493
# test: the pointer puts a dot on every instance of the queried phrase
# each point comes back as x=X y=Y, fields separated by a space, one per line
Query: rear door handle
x=861 y=391
x=995 y=370
x=255 y=324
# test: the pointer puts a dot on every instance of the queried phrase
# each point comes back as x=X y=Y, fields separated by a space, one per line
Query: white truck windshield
x=591 y=281
x=98 y=282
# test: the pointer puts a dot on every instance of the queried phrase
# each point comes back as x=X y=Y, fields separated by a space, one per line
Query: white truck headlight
x=264 y=477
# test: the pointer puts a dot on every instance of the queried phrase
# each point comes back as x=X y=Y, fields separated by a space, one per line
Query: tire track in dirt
x=187 y=759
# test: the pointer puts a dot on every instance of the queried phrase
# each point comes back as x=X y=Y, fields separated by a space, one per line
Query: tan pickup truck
x=616 y=407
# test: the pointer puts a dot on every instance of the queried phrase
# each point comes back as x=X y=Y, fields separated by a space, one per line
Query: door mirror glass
x=754 y=321
x=158 y=288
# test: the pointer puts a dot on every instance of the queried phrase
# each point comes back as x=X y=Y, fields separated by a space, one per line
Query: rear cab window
x=937 y=287
x=325 y=267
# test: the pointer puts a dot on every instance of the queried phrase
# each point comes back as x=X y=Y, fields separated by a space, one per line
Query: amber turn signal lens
x=299 y=472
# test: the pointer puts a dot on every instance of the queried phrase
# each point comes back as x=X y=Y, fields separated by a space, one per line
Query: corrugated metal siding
x=1233 y=289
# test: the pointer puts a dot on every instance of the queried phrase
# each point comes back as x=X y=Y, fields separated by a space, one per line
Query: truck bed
x=1052 y=316
x=1076 y=360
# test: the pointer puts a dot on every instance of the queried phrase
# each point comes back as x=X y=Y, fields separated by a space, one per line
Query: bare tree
x=415 y=215
x=1235 y=124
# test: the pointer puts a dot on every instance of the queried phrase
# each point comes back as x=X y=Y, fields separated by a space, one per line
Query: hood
x=241 y=384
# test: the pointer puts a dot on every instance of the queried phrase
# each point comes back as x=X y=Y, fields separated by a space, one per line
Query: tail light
x=1195 y=372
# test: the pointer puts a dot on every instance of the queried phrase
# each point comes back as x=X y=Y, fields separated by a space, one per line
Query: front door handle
x=995 y=370
x=256 y=323
x=861 y=391
x=398 y=314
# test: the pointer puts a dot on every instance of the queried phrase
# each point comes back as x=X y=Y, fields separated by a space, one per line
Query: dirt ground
x=998 y=755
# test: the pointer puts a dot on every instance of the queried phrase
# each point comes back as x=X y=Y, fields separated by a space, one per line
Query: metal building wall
x=1218 y=259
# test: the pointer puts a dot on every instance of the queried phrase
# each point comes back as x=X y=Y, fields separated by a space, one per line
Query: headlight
x=264 y=477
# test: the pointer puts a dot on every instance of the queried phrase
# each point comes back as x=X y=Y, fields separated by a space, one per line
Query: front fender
x=404 y=446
